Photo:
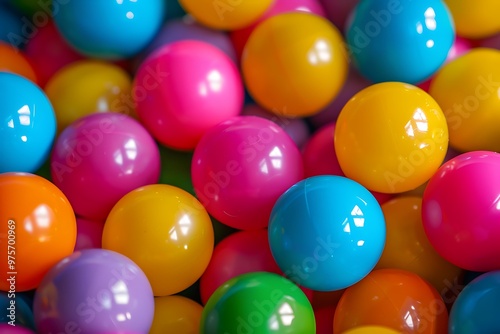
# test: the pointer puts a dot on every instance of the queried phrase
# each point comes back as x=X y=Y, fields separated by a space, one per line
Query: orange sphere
x=13 y=60
x=37 y=229
x=407 y=246
x=395 y=299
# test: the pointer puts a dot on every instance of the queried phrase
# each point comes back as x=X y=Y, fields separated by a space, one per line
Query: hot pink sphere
x=9 y=329
x=461 y=211
x=89 y=234
x=240 y=168
x=240 y=36
x=100 y=158
x=183 y=89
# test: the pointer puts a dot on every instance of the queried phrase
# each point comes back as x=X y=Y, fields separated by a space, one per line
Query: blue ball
x=109 y=29
x=327 y=232
x=400 y=40
x=27 y=125
x=10 y=26
x=477 y=307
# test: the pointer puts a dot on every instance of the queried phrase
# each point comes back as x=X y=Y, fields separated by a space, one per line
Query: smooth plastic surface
x=259 y=163
x=94 y=291
x=176 y=314
x=89 y=234
x=177 y=108
x=460 y=211
x=475 y=20
x=326 y=232
x=42 y=225
x=391 y=137
x=14 y=60
x=399 y=40
x=262 y=302
x=166 y=231
x=27 y=125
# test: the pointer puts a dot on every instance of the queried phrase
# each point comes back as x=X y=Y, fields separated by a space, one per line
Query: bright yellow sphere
x=475 y=18
x=468 y=91
x=176 y=314
x=371 y=330
x=294 y=64
x=391 y=137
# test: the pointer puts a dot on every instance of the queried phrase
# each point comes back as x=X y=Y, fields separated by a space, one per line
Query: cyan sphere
x=327 y=232
x=399 y=40
x=27 y=125
x=109 y=29
x=477 y=307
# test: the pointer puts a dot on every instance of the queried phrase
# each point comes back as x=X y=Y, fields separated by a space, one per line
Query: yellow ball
x=371 y=330
x=86 y=87
x=468 y=91
x=176 y=314
x=407 y=246
x=166 y=232
x=391 y=137
x=475 y=19
x=294 y=64
x=226 y=14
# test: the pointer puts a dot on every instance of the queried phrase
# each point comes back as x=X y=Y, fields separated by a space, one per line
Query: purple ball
x=94 y=291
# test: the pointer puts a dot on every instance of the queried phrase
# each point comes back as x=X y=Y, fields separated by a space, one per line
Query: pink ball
x=296 y=128
x=319 y=153
x=338 y=11
x=100 y=158
x=240 y=36
x=185 y=88
x=461 y=211
x=89 y=234
x=240 y=168
x=9 y=329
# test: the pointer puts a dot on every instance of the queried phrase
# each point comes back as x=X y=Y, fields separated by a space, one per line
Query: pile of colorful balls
x=249 y=166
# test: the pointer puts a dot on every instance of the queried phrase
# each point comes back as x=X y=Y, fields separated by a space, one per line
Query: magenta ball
x=319 y=153
x=100 y=158
x=296 y=128
x=94 y=291
x=240 y=168
x=338 y=11
x=461 y=211
x=89 y=234
x=17 y=329
x=185 y=88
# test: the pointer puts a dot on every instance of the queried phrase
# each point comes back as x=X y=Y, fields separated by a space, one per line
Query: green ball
x=258 y=303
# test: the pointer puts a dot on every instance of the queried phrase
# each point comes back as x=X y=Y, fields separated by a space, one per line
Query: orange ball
x=407 y=246
x=395 y=299
x=37 y=229
x=13 y=60
x=294 y=64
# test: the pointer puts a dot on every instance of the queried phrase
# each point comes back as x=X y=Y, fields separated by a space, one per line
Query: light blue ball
x=327 y=232
x=109 y=29
x=400 y=40
x=27 y=125
x=477 y=308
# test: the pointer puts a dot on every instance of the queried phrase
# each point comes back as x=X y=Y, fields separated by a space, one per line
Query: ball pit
x=244 y=133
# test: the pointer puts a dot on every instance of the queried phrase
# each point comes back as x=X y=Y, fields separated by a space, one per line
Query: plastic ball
x=15 y=311
x=338 y=11
x=9 y=329
x=391 y=137
x=48 y=52
x=371 y=330
x=14 y=61
x=324 y=320
x=395 y=299
x=305 y=49
x=86 y=87
x=11 y=29
x=100 y=158
x=477 y=307
x=296 y=128
x=259 y=302
x=28 y=125
x=239 y=253
x=109 y=29
x=187 y=28
x=89 y=234
x=176 y=314
x=240 y=36
x=235 y=186
x=178 y=108
x=38 y=229
x=326 y=232
x=226 y=15
x=460 y=211
x=399 y=40
x=466 y=89
x=94 y=291
x=166 y=231
x=474 y=20
x=407 y=246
